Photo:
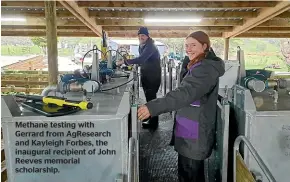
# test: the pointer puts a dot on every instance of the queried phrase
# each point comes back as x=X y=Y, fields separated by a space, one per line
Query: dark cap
x=143 y=30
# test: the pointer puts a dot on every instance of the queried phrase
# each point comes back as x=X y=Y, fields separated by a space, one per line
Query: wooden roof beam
x=264 y=35
x=32 y=4
x=34 y=27
x=118 y=22
x=122 y=28
x=42 y=33
x=166 y=28
x=275 y=23
x=35 y=21
x=44 y=30
x=284 y=15
x=255 y=30
x=91 y=34
x=38 y=21
x=264 y=15
x=164 y=35
x=177 y=4
x=151 y=4
x=37 y=13
x=269 y=30
x=133 y=34
x=82 y=15
x=155 y=32
x=158 y=35
x=138 y=14
x=140 y=22
x=175 y=14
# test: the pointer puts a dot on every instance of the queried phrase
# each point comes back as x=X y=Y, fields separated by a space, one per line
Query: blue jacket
x=149 y=60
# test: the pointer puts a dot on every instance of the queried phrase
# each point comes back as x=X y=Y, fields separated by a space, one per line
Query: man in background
x=149 y=60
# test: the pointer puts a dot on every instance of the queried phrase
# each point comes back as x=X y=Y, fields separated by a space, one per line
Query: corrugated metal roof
x=137 y=9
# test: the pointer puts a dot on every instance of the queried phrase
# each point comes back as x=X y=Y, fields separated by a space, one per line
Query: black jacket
x=195 y=101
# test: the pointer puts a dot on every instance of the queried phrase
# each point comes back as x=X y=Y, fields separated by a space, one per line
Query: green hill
x=259 y=53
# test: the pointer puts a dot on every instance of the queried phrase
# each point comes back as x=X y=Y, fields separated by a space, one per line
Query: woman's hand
x=143 y=113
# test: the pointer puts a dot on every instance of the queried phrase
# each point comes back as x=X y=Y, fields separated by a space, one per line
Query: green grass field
x=265 y=55
x=256 y=62
x=24 y=50
x=259 y=53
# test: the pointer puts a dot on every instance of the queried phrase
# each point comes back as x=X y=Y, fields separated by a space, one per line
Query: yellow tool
x=58 y=101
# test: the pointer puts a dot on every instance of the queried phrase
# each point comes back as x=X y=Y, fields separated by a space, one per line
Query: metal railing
x=170 y=74
x=177 y=74
x=164 y=63
x=131 y=160
x=133 y=154
x=255 y=154
x=136 y=83
x=169 y=80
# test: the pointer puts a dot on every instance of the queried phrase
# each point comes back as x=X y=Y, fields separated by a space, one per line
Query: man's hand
x=120 y=62
x=143 y=113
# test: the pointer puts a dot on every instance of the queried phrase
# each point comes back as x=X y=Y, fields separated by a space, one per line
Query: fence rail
x=25 y=81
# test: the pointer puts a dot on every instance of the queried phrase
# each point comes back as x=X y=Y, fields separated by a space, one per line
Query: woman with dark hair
x=195 y=101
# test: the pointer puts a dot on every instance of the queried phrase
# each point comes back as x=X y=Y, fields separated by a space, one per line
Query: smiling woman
x=195 y=102
x=196 y=45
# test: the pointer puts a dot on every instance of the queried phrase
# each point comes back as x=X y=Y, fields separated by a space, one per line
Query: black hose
x=95 y=48
x=105 y=55
x=122 y=83
x=122 y=76
x=118 y=85
x=116 y=54
x=122 y=49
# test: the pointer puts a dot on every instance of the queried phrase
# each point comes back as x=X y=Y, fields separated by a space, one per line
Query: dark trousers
x=150 y=88
x=190 y=170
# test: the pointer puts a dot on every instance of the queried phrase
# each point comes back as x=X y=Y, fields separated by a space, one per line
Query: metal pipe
x=178 y=68
x=109 y=59
x=161 y=65
x=170 y=76
x=281 y=83
x=279 y=74
x=95 y=66
x=139 y=76
x=136 y=89
x=241 y=59
x=135 y=130
x=271 y=83
x=255 y=154
x=57 y=89
x=131 y=160
x=49 y=89
x=164 y=77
